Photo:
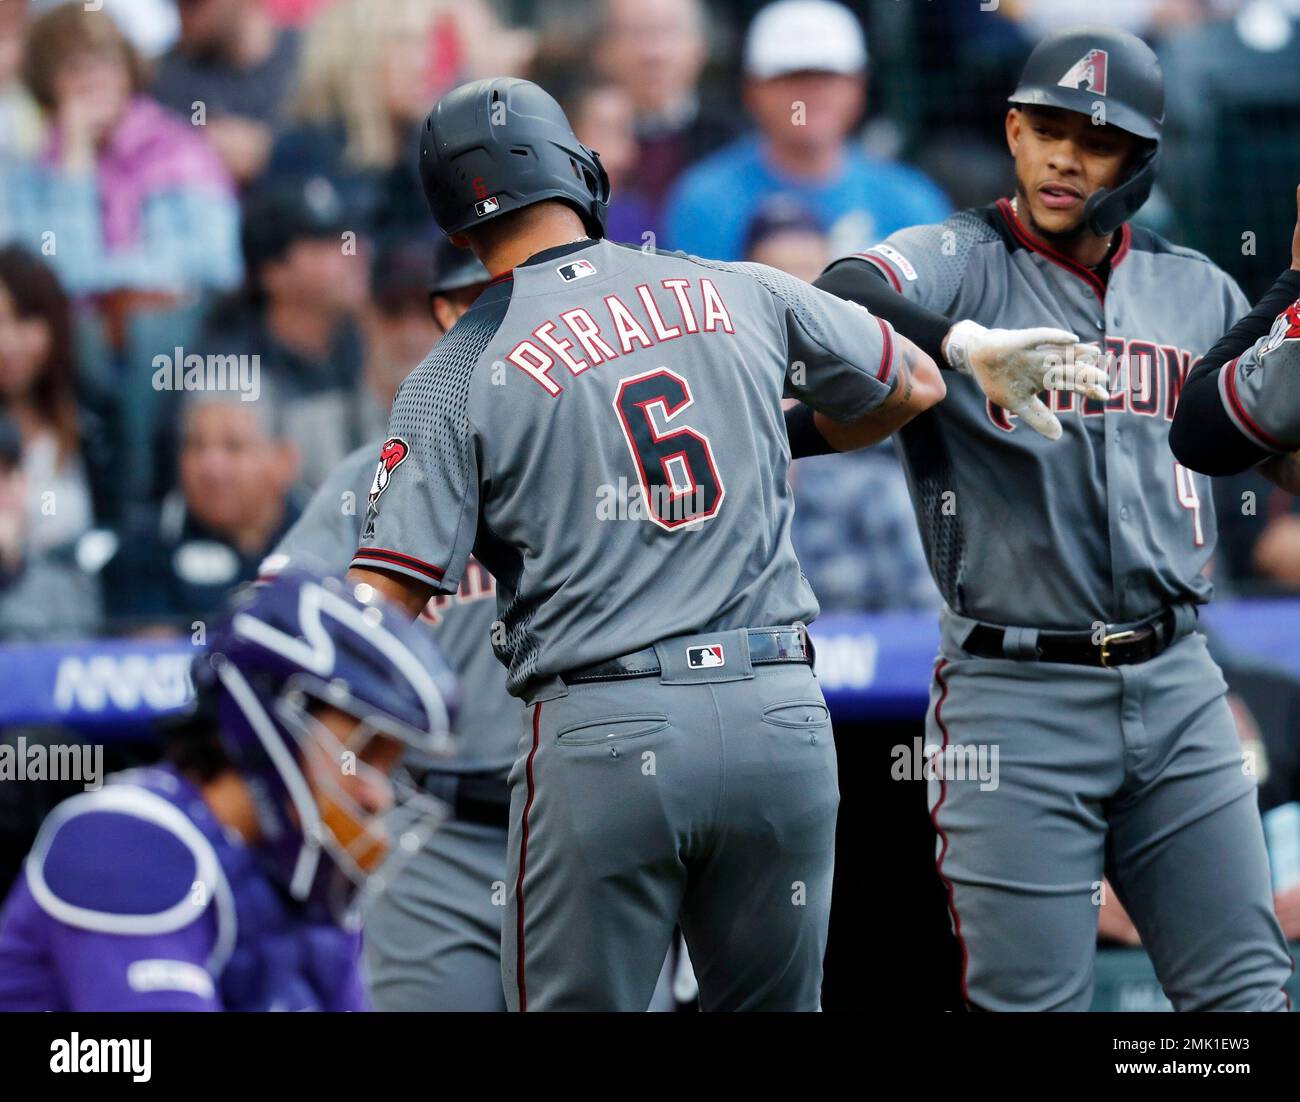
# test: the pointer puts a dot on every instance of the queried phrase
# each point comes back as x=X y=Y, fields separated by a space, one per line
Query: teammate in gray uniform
x=1072 y=574
x=676 y=760
x=433 y=936
x=1241 y=405
x=603 y=429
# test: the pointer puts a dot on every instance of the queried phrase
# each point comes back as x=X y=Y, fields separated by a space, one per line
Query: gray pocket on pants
x=798 y=715
x=588 y=732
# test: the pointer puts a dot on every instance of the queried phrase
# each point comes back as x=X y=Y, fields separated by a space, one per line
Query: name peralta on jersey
x=1102 y=525
x=1260 y=389
x=603 y=431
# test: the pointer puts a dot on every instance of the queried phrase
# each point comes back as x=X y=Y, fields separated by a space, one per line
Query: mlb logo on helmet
x=579 y=269
x=1088 y=73
x=706 y=657
x=487 y=206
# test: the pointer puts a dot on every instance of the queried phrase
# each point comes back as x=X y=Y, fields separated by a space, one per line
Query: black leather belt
x=1140 y=643
x=474 y=799
x=767 y=647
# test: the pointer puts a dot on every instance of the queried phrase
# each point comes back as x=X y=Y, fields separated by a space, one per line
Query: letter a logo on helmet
x=1088 y=73
x=1068 y=70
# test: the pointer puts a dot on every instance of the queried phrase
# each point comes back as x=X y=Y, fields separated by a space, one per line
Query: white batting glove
x=1012 y=366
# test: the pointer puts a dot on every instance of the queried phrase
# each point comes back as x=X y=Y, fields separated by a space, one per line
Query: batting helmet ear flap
x=1109 y=208
x=600 y=189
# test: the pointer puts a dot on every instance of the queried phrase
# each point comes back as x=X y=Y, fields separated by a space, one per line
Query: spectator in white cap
x=805 y=86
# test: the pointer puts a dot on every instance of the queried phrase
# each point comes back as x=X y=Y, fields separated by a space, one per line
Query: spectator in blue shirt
x=805 y=68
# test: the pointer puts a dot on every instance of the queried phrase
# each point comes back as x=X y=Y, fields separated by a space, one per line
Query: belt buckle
x=1114 y=637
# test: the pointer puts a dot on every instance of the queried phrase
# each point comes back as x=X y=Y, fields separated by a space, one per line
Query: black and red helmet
x=498 y=145
x=1114 y=77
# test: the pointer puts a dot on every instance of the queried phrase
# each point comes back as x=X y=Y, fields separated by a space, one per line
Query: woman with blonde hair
x=367 y=77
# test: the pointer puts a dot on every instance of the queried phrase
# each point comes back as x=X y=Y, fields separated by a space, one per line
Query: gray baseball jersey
x=1102 y=525
x=1261 y=388
x=1132 y=773
x=603 y=430
x=324 y=538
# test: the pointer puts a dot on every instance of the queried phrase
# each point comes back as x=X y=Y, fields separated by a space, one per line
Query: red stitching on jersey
x=934 y=819
x=501 y=278
x=523 y=857
x=887 y=354
x=1240 y=410
x=884 y=268
x=1029 y=241
x=396 y=558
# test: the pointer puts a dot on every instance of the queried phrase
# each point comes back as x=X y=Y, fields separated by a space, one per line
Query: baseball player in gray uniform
x=603 y=430
x=1072 y=574
x=433 y=935
x=1241 y=405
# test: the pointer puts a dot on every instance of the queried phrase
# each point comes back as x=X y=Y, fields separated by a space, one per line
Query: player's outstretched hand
x=1012 y=366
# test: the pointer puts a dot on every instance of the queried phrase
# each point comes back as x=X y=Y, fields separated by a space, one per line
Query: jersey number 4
x=1188 y=498
x=674 y=463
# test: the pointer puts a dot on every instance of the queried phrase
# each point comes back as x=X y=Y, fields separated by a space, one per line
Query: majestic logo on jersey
x=486 y=206
x=579 y=269
x=391 y=456
x=706 y=657
x=1286 y=328
x=1088 y=73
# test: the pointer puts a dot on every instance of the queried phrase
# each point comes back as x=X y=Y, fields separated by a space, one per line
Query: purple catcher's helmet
x=283 y=651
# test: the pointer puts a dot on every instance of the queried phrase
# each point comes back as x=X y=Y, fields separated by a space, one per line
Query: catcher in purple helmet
x=229 y=877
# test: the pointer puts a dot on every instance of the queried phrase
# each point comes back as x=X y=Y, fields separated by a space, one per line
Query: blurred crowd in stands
x=216 y=260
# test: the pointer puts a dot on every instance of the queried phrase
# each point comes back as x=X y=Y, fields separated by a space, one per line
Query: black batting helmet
x=1115 y=77
x=498 y=145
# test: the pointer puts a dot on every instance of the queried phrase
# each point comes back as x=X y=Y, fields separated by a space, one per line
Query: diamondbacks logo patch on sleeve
x=391 y=456
x=1285 y=328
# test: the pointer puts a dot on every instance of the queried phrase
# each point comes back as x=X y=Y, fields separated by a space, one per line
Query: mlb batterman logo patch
x=706 y=657
x=486 y=206
x=579 y=269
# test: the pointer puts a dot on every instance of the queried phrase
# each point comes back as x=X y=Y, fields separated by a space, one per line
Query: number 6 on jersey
x=675 y=468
